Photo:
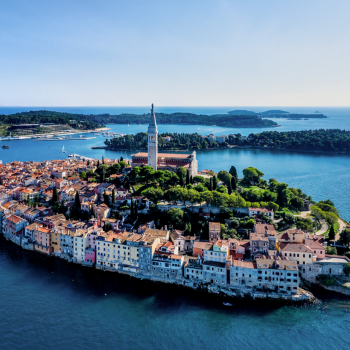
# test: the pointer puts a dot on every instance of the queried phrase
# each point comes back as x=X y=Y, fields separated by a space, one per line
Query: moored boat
x=5 y=147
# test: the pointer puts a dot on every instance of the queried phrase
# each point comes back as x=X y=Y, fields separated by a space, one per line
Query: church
x=163 y=161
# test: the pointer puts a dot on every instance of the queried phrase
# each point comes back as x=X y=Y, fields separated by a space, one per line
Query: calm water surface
x=48 y=303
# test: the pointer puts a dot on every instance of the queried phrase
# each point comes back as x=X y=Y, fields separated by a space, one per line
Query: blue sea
x=48 y=303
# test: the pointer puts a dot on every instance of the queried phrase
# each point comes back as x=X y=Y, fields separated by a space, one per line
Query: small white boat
x=227 y=304
x=63 y=151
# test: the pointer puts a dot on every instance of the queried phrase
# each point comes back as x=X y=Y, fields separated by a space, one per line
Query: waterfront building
x=215 y=273
x=193 y=268
x=55 y=241
x=220 y=139
x=243 y=274
x=81 y=243
x=42 y=237
x=281 y=276
x=15 y=227
x=296 y=252
x=147 y=247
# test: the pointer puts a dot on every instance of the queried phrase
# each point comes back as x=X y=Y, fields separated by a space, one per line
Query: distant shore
x=221 y=148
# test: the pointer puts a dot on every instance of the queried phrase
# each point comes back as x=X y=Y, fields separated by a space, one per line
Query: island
x=276 y=113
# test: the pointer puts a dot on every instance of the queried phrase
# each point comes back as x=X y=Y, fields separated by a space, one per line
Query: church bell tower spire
x=152 y=134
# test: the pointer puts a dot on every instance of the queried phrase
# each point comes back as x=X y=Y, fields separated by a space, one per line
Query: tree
x=225 y=177
x=211 y=184
x=331 y=250
x=54 y=195
x=193 y=196
x=233 y=172
x=273 y=206
x=153 y=194
x=28 y=199
x=331 y=234
x=113 y=196
x=132 y=209
x=105 y=198
x=107 y=227
x=98 y=162
x=345 y=237
x=233 y=183
x=77 y=200
x=198 y=179
x=252 y=174
x=88 y=162
x=229 y=187
x=297 y=203
x=83 y=175
x=206 y=196
x=218 y=199
x=214 y=183
x=187 y=177
x=175 y=216
x=103 y=160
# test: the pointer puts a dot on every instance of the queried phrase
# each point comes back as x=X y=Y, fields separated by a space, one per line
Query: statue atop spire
x=152 y=121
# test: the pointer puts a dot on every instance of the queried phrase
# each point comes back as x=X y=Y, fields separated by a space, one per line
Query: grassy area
x=336 y=227
x=286 y=210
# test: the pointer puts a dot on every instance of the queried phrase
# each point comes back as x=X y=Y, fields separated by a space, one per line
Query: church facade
x=163 y=161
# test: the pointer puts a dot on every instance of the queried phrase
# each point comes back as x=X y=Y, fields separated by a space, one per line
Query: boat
x=5 y=147
x=71 y=155
x=227 y=304
x=63 y=151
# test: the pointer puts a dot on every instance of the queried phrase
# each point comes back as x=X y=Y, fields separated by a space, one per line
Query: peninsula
x=165 y=221
x=321 y=140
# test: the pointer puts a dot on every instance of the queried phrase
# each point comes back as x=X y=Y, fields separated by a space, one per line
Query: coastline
x=228 y=294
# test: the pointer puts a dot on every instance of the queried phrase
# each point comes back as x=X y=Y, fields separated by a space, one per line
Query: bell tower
x=152 y=134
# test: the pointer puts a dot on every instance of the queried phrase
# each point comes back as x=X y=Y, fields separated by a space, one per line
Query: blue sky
x=175 y=53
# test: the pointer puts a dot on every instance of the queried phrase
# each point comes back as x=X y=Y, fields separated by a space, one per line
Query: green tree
x=187 y=177
x=331 y=250
x=153 y=194
x=252 y=175
x=54 y=195
x=83 y=175
x=105 y=198
x=193 y=196
x=77 y=200
x=113 y=196
x=175 y=216
x=233 y=183
x=273 y=206
x=297 y=203
x=107 y=227
x=233 y=172
x=331 y=234
x=225 y=177
x=207 y=197
x=214 y=183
